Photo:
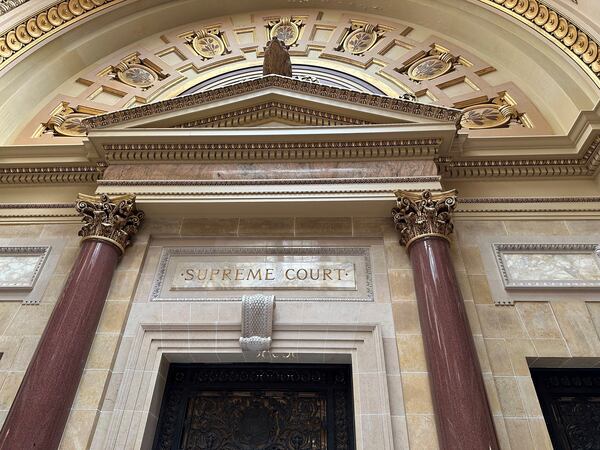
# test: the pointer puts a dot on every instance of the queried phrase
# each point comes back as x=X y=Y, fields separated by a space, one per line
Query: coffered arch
x=484 y=74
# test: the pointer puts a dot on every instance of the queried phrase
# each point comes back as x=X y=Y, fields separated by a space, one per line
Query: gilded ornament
x=510 y=4
x=111 y=219
x=286 y=30
x=13 y=43
x=5 y=52
x=53 y=17
x=423 y=214
x=75 y=7
x=591 y=53
x=522 y=6
x=430 y=67
x=542 y=15
x=23 y=35
x=571 y=36
x=554 y=23
x=72 y=125
x=533 y=9
x=86 y=4
x=64 y=12
x=487 y=115
x=33 y=29
x=360 y=40
x=208 y=45
x=42 y=22
x=136 y=75
x=581 y=44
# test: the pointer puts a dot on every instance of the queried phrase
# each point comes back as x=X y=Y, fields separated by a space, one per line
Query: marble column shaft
x=463 y=415
x=41 y=408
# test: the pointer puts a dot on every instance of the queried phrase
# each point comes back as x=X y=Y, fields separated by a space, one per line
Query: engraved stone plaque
x=295 y=273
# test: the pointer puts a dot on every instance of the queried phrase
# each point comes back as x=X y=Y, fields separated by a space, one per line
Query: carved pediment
x=274 y=101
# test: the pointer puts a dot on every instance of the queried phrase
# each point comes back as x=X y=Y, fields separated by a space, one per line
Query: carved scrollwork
x=423 y=214
x=114 y=220
x=430 y=65
x=68 y=121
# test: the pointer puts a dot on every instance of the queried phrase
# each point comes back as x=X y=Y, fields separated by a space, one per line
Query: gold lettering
x=226 y=273
x=190 y=274
x=318 y=274
x=214 y=273
x=339 y=272
x=239 y=274
x=269 y=274
x=287 y=276
x=327 y=274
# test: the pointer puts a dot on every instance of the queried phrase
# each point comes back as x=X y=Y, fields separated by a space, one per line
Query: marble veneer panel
x=550 y=268
x=26 y=268
x=221 y=172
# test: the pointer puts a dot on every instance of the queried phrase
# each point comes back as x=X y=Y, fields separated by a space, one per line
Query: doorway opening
x=257 y=407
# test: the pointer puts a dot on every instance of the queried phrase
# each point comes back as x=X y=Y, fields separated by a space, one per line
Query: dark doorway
x=256 y=407
x=570 y=400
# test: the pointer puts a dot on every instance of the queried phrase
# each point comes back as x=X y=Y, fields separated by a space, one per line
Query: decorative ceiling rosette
x=137 y=73
x=360 y=37
x=496 y=113
x=286 y=29
x=208 y=43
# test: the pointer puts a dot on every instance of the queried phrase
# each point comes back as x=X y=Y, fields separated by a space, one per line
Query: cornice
x=585 y=166
x=50 y=175
x=269 y=151
x=295 y=86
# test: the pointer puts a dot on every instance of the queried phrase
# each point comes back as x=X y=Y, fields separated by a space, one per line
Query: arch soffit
x=386 y=64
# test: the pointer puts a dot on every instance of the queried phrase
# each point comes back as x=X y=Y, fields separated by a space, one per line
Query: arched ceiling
x=501 y=52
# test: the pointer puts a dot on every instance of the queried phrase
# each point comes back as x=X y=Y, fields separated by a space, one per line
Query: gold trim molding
x=31 y=31
x=558 y=29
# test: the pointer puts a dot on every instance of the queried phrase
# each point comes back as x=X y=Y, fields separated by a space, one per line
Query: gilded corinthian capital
x=423 y=214
x=112 y=219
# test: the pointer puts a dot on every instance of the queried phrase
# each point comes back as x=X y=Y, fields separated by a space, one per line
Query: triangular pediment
x=275 y=101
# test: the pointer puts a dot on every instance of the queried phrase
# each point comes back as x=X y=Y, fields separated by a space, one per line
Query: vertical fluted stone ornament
x=38 y=415
x=463 y=416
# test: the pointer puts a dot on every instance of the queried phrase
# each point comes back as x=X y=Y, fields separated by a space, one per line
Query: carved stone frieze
x=257 y=322
x=68 y=121
x=423 y=214
x=112 y=219
x=495 y=113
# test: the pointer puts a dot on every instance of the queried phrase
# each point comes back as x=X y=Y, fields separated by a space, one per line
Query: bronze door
x=256 y=407
x=570 y=401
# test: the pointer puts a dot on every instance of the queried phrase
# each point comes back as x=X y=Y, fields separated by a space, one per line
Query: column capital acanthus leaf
x=113 y=219
x=421 y=214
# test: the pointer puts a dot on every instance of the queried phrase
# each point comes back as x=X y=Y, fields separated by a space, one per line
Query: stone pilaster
x=40 y=410
x=463 y=417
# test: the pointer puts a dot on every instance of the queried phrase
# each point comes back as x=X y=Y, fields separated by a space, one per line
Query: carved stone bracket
x=257 y=322
x=112 y=219
x=418 y=215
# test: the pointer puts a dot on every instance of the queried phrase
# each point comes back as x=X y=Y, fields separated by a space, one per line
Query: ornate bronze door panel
x=570 y=400
x=256 y=407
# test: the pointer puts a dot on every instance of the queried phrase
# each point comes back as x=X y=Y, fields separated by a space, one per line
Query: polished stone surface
x=462 y=411
x=271 y=171
x=41 y=408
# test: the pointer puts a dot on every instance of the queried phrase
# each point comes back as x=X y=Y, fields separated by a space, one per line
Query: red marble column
x=41 y=408
x=463 y=416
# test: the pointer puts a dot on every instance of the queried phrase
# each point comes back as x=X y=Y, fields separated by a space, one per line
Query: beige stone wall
x=508 y=338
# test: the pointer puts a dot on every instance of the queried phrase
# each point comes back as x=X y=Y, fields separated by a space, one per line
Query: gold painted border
x=34 y=41
x=499 y=5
